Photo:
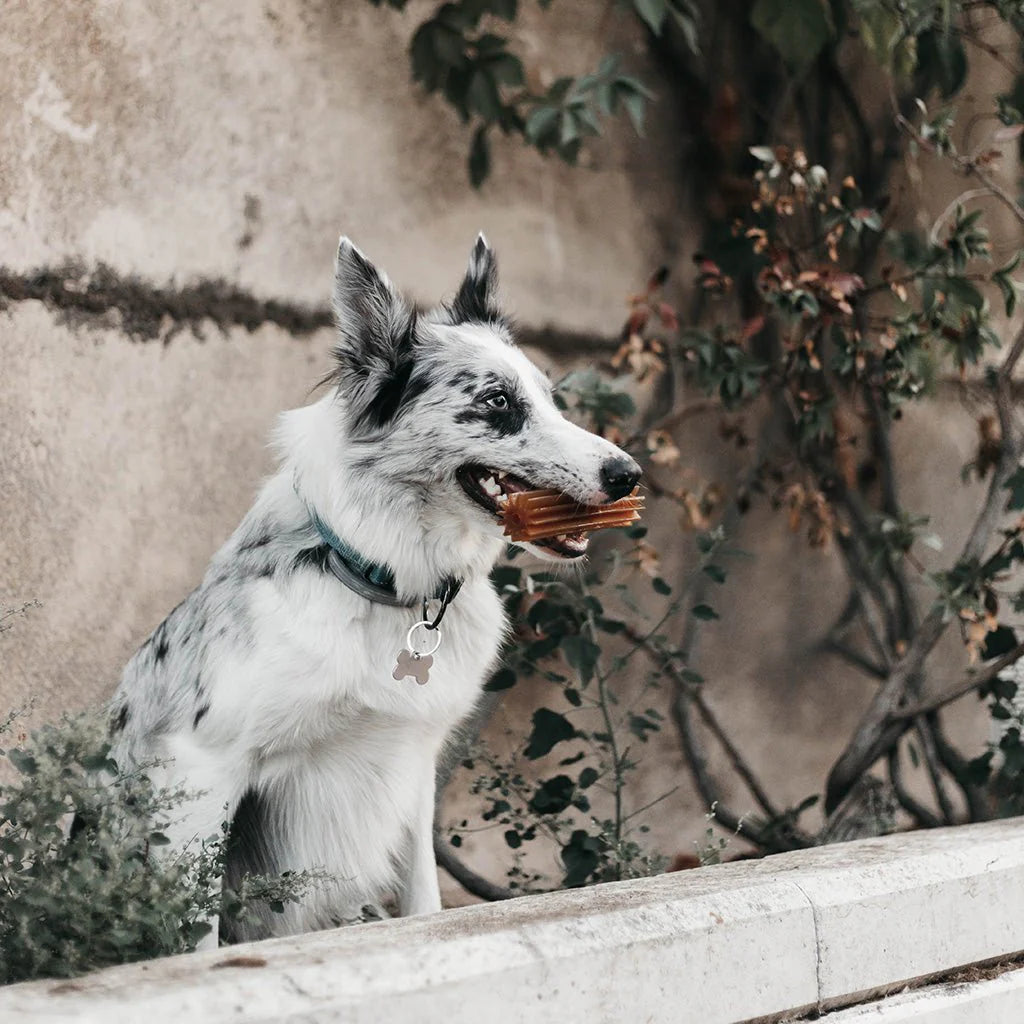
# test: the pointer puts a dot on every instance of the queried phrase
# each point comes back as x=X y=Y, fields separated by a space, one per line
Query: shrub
x=84 y=883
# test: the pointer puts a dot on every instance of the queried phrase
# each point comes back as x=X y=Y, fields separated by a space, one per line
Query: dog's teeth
x=502 y=499
x=491 y=487
x=502 y=474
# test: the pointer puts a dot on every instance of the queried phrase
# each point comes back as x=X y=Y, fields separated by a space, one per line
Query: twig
x=967 y=166
x=966 y=686
x=854 y=657
x=916 y=810
x=664 y=661
x=934 y=768
x=876 y=732
x=473 y=883
x=956 y=765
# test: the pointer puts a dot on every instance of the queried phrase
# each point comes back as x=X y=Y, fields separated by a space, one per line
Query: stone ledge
x=722 y=944
x=998 y=1000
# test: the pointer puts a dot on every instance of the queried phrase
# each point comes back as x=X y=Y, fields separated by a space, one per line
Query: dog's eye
x=496 y=400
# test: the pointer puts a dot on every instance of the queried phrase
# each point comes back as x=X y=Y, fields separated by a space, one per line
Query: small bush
x=81 y=883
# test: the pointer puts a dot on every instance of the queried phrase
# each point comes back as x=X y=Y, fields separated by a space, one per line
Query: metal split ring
x=424 y=624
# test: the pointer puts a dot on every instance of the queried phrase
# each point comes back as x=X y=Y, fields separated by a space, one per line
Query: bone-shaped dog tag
x=412 y=664
x=417 y=663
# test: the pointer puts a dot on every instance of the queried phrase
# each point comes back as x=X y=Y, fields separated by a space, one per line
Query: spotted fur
x=269 y=689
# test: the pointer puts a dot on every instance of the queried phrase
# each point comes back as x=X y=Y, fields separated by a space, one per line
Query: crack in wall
x=103 y=298
x=147 y=312
x=817 y=942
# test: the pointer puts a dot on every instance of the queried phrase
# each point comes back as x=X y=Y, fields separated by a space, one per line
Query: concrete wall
x=184 y=143
x=229 y=140
x=777 y=939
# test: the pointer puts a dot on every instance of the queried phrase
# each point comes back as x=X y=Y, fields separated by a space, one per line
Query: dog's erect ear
x=377 y=336
x=476 y=299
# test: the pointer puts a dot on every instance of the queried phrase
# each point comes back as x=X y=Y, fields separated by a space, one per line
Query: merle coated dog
x=272 y=689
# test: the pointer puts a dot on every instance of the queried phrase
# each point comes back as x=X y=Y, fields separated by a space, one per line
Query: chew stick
x=532 y=515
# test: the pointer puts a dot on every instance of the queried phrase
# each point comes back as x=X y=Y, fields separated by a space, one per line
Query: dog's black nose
x=619 y=476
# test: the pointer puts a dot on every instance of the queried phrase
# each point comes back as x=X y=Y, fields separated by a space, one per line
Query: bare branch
x=916 y=810
x=688 y=693
x=968 y=166
x=854 y=657
x=973 y=682
x=934 y=768
x=876 y=728
x=954 y=763
x=473 y=883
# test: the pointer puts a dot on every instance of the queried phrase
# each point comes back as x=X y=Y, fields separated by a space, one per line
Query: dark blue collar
x=373 y=580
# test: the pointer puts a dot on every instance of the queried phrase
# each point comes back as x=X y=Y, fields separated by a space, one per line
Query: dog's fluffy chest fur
x=269 y=689
x=319 y=670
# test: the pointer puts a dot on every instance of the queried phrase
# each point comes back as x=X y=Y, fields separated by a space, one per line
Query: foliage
x=83 y=881
x=596 y=712
x=460 y=53
x=822 y=309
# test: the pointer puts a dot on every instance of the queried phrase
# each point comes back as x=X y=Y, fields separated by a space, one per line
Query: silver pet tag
x=412 y=662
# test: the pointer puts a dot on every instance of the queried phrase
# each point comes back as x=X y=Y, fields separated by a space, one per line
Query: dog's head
x=446 y=404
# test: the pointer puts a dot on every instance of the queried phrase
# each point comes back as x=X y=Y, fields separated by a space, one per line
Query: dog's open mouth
x=490 y=489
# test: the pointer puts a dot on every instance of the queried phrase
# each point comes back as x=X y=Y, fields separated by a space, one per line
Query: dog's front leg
x=420 y=893
x=213 y=781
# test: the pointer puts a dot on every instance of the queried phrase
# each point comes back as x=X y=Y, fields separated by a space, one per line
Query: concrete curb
x=997 y=1000
x=737 y=942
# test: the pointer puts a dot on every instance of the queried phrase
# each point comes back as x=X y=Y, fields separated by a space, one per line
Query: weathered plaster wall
x=186 y=142
x=230 y=140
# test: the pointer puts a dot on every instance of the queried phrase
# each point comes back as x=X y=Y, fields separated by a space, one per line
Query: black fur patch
x=248 y=851
x=400 y=388
x=121 y=720
x=474 y=302
x=259 y=542
x=161 y=647
x=199 y=715
x=312 y=558
x=502 y=422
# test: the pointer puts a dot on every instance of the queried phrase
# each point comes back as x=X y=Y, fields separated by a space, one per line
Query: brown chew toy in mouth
x=536 y=515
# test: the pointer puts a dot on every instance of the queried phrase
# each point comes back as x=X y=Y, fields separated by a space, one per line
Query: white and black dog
x=271 y=690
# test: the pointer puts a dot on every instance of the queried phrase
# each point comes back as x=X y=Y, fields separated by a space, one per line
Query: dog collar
x=374 y=580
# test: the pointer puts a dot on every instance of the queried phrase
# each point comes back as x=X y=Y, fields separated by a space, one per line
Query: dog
x=288 y=689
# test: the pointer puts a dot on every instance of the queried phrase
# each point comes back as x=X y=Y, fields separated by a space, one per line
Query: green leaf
x=998 y=641
x=636 y=106
x=482 y=95
x=513 y=839
x=641 y=725
x=652 y=12
x=24 y=762
x=549 y=729
x=588 y=777
x=582 y=655
x=505 y=9
x=1015 y=485
x=660 y=586
x=705 y=612
x=503 y=679
x=715 y=572
x=941 y=61
x=553 y=795
x=581 y=857
x=798 y=29
x=541 y=125
x=479 y=157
